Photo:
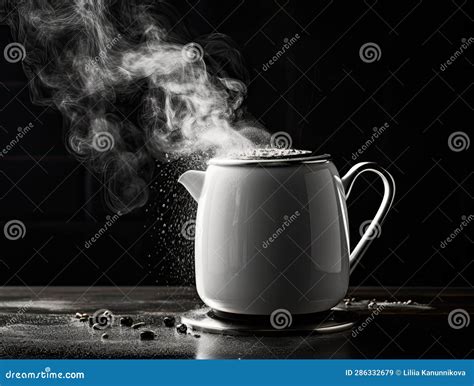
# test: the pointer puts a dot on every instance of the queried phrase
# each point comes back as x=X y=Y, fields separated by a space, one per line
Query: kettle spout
x=193 y=181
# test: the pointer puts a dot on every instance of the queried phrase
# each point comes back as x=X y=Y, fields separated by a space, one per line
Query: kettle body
x=275 y=235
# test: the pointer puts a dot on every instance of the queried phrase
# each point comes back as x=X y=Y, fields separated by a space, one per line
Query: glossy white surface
x=270 y=237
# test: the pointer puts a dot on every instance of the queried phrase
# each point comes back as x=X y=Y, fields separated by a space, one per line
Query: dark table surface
x=40 y=323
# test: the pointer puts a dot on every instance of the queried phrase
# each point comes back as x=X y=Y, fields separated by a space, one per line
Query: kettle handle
x=388 y=196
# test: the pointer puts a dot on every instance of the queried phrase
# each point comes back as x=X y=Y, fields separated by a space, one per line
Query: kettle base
x=211 y=321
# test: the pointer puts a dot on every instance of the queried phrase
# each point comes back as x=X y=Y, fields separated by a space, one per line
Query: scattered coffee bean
x=408 y=302
x=105 y=336
x=78 y=315
x=138 y=325
x=169 y=321
x=83 y=319
x=182 y=328
x=197 y=335
x=347 y=303
x=372 y=304
x=147 y=335
x=353 y=299
x=126 y=321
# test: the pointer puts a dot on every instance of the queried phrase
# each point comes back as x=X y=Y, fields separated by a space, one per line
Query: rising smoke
x=133 y=86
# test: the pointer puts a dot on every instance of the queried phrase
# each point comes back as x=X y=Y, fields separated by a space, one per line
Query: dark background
x=320 y=92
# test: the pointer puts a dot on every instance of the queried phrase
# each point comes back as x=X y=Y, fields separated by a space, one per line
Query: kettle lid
x=269 y=156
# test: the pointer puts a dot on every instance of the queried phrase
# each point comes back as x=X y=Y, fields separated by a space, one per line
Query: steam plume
x=133 y=86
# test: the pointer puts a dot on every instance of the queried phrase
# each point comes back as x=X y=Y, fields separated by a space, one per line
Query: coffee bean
x=78 y=315
x=182 y=328
x=138 y=325
x=408 y=302
x=169 y=321
x=197 y=335
x=83 y=319
x=372 y=304
x=147 y=335
x=105 y=336
x=126 y=321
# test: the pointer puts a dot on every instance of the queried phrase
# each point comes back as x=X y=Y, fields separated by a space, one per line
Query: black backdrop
x=323 y=95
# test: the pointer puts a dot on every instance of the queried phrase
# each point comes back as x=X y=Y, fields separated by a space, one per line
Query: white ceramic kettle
x=274 y=233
